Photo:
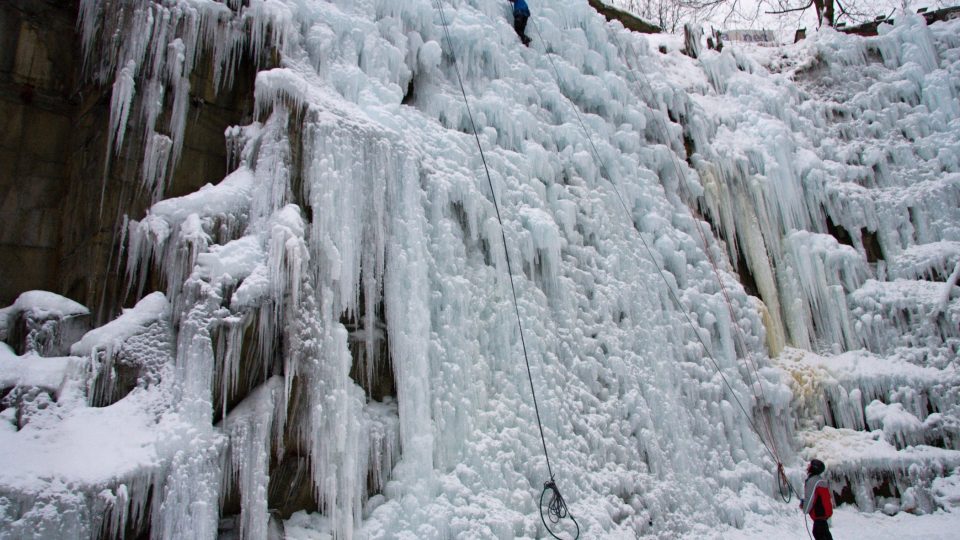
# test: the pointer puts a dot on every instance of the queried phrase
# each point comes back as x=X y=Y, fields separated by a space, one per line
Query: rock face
x=38 y=103
x=628 y=20
x=61 y=203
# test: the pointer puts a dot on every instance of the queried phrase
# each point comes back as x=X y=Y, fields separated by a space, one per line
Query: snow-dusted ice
x=336 y=353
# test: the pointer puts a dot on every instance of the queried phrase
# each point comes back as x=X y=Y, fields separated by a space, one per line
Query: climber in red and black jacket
x=816 y=500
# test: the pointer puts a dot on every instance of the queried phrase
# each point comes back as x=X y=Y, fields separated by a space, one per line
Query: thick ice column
x=406 y=297
x=336 y=432
x=824 y=272
x=742 y=223
x=190 y=501
x=191 y=492
x=272 y=168
x=249 y=428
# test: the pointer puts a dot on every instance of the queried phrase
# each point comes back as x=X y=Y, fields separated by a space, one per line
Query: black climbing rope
x=595 y=154
x=783 y=482
x=556 y=507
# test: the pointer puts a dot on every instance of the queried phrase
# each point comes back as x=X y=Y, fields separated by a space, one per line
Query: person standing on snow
x=816 y=500
x=520 y=15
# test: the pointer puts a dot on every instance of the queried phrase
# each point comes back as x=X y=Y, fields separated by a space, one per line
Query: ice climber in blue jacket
x=521 y=12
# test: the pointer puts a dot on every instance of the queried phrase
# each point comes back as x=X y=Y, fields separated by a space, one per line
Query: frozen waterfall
x=324 y=339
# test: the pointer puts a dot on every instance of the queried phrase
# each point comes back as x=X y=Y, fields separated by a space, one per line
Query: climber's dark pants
x=821 y=531
x=520 y=25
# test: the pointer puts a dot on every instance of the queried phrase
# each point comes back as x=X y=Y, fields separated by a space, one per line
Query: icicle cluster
x=150 y=49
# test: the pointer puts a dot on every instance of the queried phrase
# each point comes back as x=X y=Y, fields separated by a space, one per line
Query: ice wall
x=340 y=298
x=856 y=240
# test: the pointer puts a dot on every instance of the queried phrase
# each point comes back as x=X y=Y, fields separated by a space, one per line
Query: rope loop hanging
x=786 y=488
x=556 y=509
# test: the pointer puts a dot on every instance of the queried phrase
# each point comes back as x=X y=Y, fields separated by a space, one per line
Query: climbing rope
x=783 y=483
x=807 y=527
x=556 y=507
x=595 y=154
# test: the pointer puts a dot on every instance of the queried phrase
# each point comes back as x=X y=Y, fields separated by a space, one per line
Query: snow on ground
x=34 y=371
x=44 y=304
x=848 y=523
x=35 y=455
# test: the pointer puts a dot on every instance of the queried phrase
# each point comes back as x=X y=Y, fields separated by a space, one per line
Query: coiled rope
x=556 y=507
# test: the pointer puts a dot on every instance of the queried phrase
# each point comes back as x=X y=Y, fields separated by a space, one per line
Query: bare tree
x=666 y=14
x=834 y=12
x=829 y=12
x=671 y=14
